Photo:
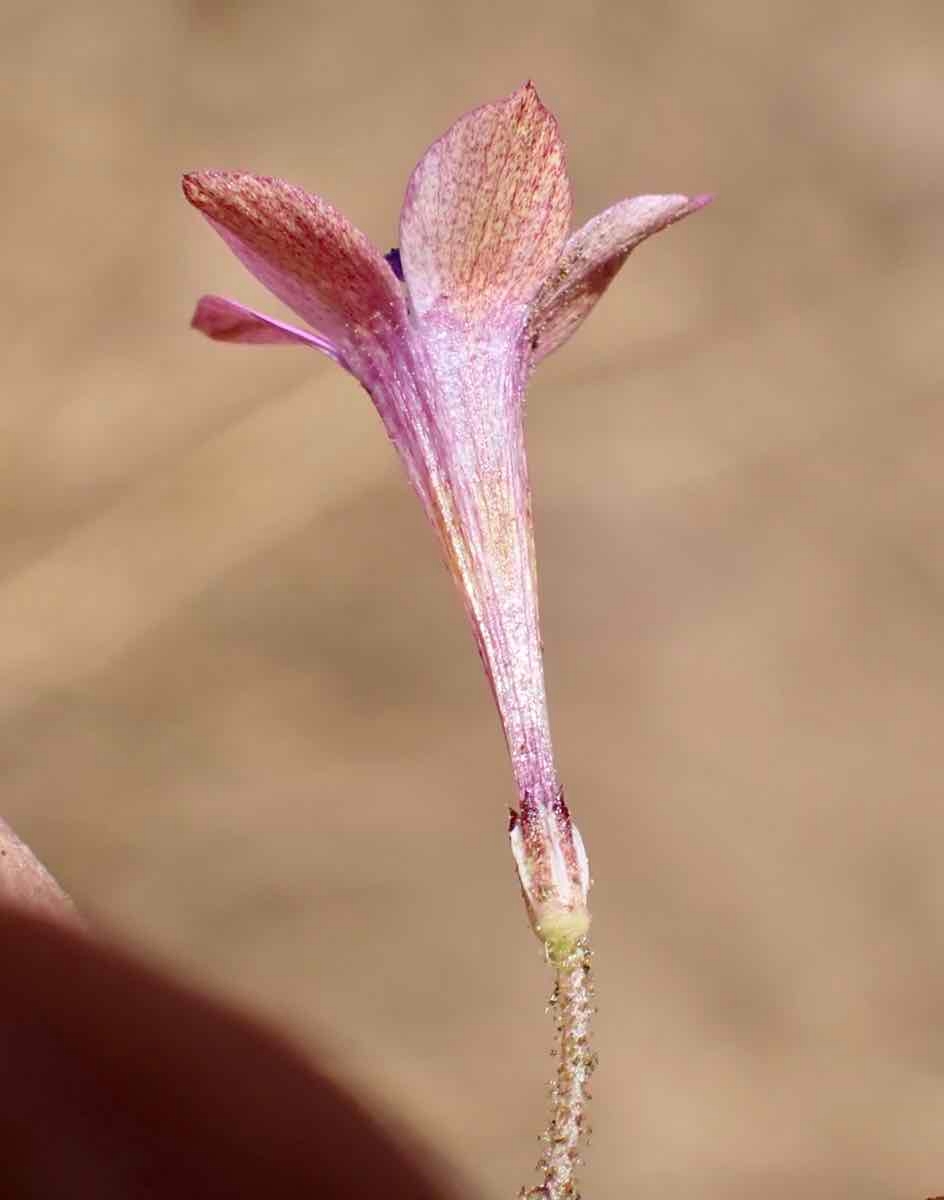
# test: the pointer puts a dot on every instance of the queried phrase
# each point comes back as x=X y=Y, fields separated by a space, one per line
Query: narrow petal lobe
x=227 y=321
x=304 y=251
x=591 y=259
x=486 y=210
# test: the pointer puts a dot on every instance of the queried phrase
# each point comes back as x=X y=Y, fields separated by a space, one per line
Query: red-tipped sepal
x=554 y=874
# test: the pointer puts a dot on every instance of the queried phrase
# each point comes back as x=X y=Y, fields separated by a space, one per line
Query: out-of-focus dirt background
x=241 y=715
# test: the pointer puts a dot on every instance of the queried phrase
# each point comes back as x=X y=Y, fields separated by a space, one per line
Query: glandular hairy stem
x=572 y=1006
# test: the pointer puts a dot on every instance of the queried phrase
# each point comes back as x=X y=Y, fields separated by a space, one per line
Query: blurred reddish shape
x=119 y=1082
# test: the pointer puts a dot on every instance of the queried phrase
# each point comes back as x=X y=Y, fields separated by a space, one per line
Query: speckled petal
x=591 y=260
x=228 y=321
x=305 y=252
x=486 y=211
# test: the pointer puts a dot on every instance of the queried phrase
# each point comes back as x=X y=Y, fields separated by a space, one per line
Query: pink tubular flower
x=443 y=334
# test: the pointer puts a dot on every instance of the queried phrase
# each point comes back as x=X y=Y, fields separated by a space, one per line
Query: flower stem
x=571 y=1002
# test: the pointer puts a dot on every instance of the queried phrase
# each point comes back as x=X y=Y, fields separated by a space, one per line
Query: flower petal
x=304 y=251
x=25 y=881
x=591 y=259
x=487 y=210
x=228 y=321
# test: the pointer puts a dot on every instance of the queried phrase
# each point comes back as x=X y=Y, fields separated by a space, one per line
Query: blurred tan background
x=240 y=713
